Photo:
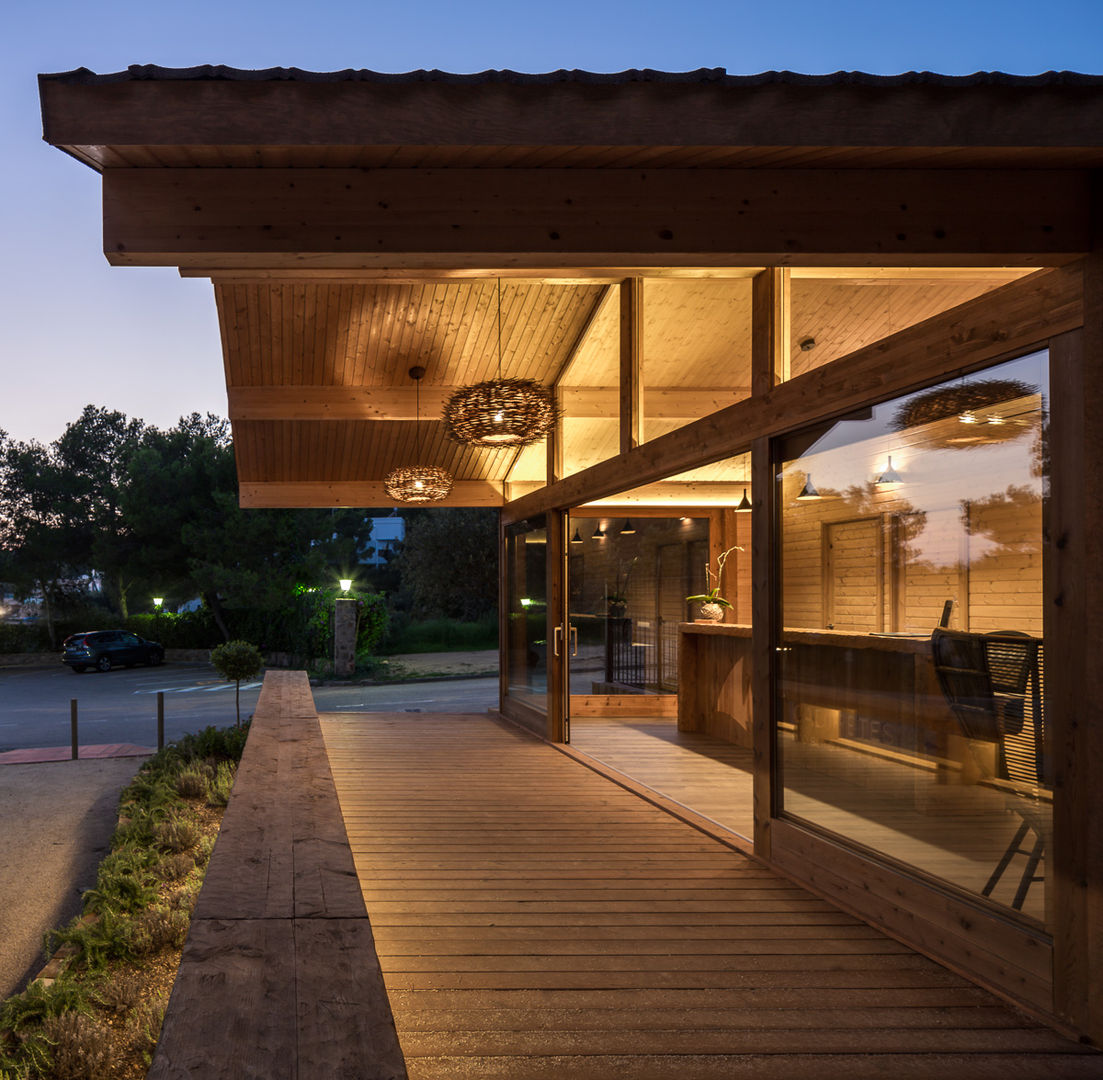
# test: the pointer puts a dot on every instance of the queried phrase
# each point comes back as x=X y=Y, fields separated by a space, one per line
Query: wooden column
x=1073 y=674
x=763 y=630
x=769 y=367
x=770 y=329
x=631 y=364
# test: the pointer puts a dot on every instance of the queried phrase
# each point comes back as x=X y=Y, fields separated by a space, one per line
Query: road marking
x=206 y=687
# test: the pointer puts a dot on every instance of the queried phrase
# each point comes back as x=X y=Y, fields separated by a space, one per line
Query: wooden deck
x=535 y=920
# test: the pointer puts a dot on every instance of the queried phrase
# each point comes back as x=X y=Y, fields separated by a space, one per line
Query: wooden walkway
x=533 y=920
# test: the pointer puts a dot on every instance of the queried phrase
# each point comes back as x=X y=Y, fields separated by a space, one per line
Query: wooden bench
x=279 y=976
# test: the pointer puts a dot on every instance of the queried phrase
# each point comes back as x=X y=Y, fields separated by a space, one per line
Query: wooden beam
x=707 y=109
x=367 y=493
x=533 y=217
x=631 y=364
x=334 y=402
x=770 y=303
x=998 y=324
x=398 y=402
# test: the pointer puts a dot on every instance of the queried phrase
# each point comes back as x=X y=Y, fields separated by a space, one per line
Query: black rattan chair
x=992 y=683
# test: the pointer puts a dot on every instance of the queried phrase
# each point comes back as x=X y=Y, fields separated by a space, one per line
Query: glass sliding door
x=911 y=719
x=526 y=646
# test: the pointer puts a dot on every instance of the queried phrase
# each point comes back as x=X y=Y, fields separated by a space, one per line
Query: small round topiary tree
x=234 y=661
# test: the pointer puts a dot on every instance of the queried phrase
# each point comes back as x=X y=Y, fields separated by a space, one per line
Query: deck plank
x=533 y=919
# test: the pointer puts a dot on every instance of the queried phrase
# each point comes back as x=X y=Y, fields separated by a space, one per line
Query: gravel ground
x=56 y=821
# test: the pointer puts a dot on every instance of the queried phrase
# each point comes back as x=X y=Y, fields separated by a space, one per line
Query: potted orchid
x=712 y=603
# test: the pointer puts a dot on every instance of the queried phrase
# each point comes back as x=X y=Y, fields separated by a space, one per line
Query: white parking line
x=205 y=687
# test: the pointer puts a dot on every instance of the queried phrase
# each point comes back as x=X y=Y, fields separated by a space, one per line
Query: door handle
x=556 y=635
x=574 y=639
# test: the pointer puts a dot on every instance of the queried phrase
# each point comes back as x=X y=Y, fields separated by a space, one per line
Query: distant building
x=386 y=534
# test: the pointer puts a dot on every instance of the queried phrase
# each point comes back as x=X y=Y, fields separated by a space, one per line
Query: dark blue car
x=105 y=649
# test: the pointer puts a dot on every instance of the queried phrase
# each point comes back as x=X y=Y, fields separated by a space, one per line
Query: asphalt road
x=120 y=706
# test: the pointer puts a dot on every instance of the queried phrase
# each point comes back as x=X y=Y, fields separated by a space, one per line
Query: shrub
x=159 y=928
x=218 y=792
x=81 y=1046
x=194 y=781
x=143 y=1027
x=176 y=834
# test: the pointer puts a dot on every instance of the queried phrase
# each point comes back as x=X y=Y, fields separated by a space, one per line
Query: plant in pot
x=712 y=604
x=616 y=598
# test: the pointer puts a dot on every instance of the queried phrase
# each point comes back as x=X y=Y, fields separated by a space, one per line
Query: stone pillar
x=344 y=636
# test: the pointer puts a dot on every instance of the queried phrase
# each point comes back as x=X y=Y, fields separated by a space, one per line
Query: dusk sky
x=74 y=331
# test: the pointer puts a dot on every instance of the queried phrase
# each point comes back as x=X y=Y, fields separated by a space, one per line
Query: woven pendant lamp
x=418 y=483
x=500 y=412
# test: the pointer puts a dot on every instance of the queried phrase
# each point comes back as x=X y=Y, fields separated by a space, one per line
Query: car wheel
x=156 y=657
x=103 y=663
x=79 y=668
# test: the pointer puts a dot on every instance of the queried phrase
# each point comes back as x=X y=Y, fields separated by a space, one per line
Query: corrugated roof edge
x=720 y=76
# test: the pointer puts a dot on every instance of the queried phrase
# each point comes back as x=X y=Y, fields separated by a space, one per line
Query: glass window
x=911 y=718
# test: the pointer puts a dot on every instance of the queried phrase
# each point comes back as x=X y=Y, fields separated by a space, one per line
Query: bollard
x=73 y=724
x=160 y=719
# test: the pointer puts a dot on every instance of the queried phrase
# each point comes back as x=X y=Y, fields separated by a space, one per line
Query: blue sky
x=74 y=331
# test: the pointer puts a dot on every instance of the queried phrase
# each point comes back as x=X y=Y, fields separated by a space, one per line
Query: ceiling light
x=598 y=534
x=577 y=538
x=629 y=529
x=418 y=483
x=808 y=492
x=889 y=476
x=744 y=504
x=500 y=412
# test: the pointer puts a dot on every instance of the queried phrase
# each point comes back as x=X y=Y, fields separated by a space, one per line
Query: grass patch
x=100 y=1017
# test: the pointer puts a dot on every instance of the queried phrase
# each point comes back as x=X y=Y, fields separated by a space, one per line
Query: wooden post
x=344 y=635
x=1073 y=678
x=73 y=726
x=160 y=719
x=769 y=329
x=763 y=636
x=631 y=364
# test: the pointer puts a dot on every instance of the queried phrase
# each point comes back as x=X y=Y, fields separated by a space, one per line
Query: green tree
x=449 y=563
x=93 y=454
x=44 y=537
x=234 y=661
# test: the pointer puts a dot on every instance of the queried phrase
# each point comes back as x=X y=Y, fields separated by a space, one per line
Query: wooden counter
x=714 y=680
x=828 y=678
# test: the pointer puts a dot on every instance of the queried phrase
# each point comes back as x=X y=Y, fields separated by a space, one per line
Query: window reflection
x=911 y=714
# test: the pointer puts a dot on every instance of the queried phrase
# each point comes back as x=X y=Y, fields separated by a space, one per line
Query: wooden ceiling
x=323 y=407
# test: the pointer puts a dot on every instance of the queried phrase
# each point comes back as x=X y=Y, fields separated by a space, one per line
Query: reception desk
x=714 y=681
x=876 y=688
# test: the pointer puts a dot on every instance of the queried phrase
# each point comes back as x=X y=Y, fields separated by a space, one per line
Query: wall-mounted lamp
x=577 y=538
x=889 y=476
x=629 y=529
x=808 y=492
x=744 y=504
x=599 y=533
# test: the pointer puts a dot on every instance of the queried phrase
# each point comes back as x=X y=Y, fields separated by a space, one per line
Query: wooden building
x=873 y=306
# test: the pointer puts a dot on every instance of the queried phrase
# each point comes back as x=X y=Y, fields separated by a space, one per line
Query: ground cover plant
x=97 y=1014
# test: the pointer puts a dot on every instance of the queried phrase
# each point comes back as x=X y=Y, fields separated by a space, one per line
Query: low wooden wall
x=279 y=976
